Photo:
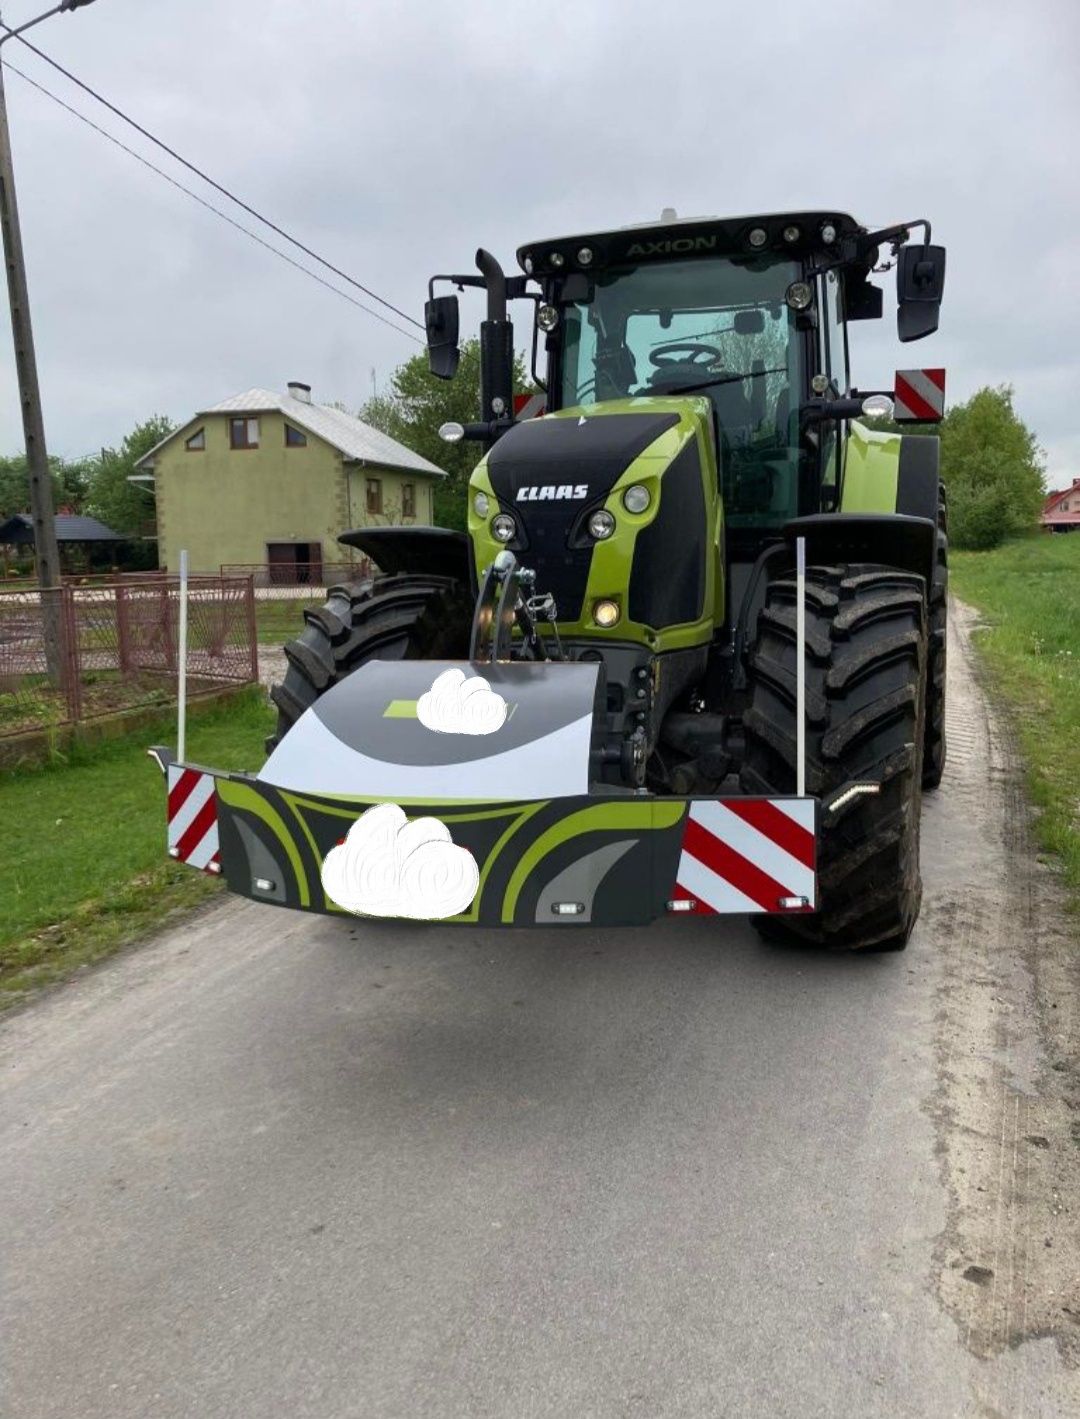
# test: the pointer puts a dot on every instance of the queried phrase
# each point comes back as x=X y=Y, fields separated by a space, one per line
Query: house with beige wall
x=272 y=479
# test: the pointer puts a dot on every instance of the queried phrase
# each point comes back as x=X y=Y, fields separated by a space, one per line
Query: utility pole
x=46 y=552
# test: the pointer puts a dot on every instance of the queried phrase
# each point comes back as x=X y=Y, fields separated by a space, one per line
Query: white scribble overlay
x=388 y=866
x=460 y=704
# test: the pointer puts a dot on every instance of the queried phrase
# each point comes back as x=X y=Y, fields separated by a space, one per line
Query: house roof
x=1051 y=512
x=19 y=530
x=354 y=439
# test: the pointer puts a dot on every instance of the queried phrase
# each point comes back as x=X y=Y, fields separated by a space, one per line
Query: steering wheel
x=684 y=352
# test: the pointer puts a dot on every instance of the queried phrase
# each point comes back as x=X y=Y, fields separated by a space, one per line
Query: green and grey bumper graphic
x=612 y=860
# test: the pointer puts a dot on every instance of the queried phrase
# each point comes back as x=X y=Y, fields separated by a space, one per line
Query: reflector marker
x=192 y=821
x=748 y=855
x=919 y=395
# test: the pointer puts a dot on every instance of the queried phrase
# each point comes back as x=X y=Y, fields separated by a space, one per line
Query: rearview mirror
x=441 y=321
x=749 y=322
x=920 y=285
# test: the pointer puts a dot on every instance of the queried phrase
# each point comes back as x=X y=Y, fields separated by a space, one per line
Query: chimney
x=300 y=391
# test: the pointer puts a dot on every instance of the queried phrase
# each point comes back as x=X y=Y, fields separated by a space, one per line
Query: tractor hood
x=551 y=473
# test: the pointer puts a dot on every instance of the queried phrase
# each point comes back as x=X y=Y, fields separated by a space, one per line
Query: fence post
x=123 y=630
x=253 y=630
x=71 y=668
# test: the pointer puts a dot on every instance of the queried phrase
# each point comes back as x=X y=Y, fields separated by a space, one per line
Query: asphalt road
x=279 y=1166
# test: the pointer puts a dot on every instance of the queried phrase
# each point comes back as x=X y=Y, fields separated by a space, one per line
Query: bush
x=993 y=469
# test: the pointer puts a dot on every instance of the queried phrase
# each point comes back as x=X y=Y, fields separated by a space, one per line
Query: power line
x=205 y=177
x=203 y=202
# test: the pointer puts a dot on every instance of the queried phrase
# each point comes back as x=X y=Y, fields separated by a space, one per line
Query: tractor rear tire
x=866 y=654
x=401 y=617
x=934 y=748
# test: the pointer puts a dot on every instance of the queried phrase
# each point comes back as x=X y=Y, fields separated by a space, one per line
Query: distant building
x=272 y=479
x=78 y=539
x=1061 y=510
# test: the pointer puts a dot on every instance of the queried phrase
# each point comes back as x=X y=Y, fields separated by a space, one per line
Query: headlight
x=605 y=613
x=503 y=527
x=480 y=504
x=601 y=524
x=636 y=499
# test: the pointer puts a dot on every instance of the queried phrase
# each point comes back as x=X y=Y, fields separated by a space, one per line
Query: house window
x=374 y=495
x=294 y=438
x=197 y=442
x=408 y=500
x=243 y=433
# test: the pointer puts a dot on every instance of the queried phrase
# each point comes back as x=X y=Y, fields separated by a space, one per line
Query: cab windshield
x=714 y=327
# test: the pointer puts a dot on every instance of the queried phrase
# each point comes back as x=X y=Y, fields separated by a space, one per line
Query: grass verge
x=279 y=621
x=1029 y=595
x=83 y=869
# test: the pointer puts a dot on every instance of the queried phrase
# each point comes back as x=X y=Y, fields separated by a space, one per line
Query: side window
x=294 y=438
x=374 y=495
x=834 y=334
x=408 y=500
x=197 y=442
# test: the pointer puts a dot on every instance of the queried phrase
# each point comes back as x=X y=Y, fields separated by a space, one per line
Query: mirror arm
x=458 y=281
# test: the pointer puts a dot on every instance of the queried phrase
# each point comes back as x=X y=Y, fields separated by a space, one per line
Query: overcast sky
x=394 y=139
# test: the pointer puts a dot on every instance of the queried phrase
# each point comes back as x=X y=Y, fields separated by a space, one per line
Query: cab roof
x=688 y=236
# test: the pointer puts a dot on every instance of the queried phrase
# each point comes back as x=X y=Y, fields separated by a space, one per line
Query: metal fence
x=284 y=576
x=75 y=653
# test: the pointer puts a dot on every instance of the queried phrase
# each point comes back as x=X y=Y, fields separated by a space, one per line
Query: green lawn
x=83 y=868
x=279 y=621
x=1029 y=594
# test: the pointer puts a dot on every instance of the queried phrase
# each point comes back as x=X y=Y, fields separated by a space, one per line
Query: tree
x=991 y=465
x=126 y=507
x=417 y=404
x=70 y=480
x=993 y=469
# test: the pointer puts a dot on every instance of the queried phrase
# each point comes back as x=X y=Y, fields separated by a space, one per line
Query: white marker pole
x=800 y=666
x=181 y=681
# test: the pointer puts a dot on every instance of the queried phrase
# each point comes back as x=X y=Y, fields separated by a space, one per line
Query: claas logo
x=552 y=491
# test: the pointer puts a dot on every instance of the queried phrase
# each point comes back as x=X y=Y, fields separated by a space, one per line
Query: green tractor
x=711 y=595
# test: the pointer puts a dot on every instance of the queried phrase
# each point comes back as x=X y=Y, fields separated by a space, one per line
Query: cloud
x=459 y=705
x=388 y=866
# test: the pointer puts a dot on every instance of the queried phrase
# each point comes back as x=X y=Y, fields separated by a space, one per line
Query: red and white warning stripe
x=748 y=855
x=193 y=828
x=529 y=406
x=919 y=395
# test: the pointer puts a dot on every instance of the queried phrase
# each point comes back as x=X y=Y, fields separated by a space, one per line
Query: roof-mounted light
x=791 y=234
x=585 y=256
x=800 y=295
x=547 y=317
x=557 y=259
x=758 y=236
x=828 y=233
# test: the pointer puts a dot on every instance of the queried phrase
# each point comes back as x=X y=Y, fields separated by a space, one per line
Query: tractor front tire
x=402 y=617
x=866 y=659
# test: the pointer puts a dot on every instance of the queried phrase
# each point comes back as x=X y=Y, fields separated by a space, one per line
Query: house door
x=294 y=563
